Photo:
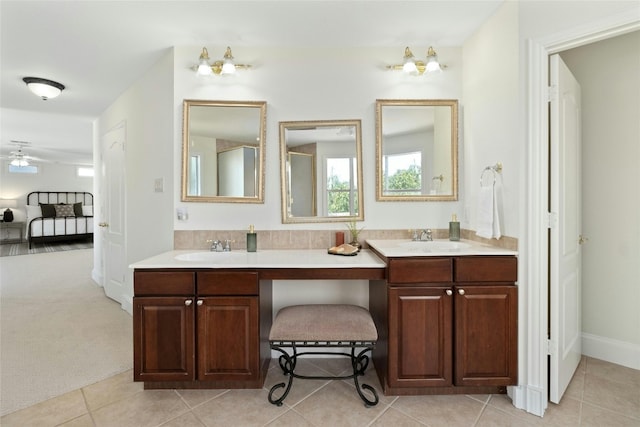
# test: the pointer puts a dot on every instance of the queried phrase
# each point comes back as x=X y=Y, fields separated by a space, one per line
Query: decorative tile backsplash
x=311 y=239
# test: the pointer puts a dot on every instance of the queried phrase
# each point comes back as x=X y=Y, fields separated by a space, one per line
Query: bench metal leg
x=288 y=364
x=359 y=364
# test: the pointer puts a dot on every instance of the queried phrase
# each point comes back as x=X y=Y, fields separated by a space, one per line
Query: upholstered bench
x=323 y=326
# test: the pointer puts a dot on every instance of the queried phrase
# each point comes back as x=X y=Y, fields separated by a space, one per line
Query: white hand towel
x=485 y=212
x=488 y=217
x=497 y=201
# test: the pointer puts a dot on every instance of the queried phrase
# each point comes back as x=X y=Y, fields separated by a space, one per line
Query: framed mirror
x=223 y=151
x=416 y=150
x=321 y=171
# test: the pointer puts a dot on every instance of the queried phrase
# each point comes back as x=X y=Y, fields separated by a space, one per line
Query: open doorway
x=538 y=224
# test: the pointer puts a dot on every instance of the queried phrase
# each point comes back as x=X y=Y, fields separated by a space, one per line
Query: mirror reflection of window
x=427 y=129
x=403 y=173
x=342 y=186
x=194 y=176
x=334 y=149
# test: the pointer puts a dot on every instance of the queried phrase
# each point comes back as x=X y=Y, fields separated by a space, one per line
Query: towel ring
x=495 y=169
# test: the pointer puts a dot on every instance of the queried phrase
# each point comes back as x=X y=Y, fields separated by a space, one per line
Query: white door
x=113 y=227
x=566 y=219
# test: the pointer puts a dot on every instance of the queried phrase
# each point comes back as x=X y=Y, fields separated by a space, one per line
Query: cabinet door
x=163 y=346
x=486 y=331
x=228 y=338
x=420 y=340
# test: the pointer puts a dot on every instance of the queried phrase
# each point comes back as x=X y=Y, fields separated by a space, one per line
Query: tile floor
x=600 y=394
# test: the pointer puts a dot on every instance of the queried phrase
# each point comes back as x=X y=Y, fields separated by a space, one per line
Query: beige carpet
x=13 y=249
x=58 y=331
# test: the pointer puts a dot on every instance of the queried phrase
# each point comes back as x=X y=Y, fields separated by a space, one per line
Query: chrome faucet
x=426 y=235
x=220 y=245
x=216 y=245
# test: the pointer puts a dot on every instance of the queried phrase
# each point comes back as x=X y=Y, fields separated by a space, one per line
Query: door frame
x=533 y=395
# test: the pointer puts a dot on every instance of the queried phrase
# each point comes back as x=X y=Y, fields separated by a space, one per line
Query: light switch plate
x=159 y=185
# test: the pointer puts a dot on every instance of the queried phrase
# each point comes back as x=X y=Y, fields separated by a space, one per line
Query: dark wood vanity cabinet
x=228 y=326
x=452 y=324
x=486 y=340
x=163 y=326
x=197 y=329
x=420 y=338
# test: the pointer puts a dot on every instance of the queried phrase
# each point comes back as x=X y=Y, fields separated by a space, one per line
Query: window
x=342 y=186
x=85 y=172
x=403 y=173
x=23 y=169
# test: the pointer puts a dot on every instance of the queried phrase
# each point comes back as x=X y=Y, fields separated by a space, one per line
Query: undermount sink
x=434 y=246
x=209 y=256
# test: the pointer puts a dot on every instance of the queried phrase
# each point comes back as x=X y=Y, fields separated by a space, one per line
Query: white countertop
x=271 y=258
x=409 y=248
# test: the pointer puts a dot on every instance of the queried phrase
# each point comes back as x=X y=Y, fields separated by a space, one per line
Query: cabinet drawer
x=420 y=270
x=486 y=269
x=163 y=283
x=227 y=283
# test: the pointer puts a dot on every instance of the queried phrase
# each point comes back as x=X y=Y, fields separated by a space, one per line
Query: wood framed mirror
x=223 y=151
x=416 y=150
x=321 y=171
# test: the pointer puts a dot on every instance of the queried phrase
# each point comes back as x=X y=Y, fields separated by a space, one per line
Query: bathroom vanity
x=202 y=319
x=446 y=316
x=449 y=312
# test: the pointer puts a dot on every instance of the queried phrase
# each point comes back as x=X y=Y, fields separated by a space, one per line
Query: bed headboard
x=54 y=197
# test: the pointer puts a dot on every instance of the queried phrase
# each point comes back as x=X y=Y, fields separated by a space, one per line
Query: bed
x=54 y=216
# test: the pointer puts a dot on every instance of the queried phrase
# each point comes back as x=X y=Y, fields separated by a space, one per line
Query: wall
x=490 y=116
x=313 y=84
x=146 y=109
x=608 y=75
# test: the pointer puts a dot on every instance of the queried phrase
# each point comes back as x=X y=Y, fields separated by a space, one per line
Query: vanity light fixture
x=411 y=65
x=44 y=88
x=222 y=67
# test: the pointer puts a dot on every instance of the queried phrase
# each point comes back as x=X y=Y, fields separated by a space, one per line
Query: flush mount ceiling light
x=223 y=67
x=45 y=89
x=411 y=65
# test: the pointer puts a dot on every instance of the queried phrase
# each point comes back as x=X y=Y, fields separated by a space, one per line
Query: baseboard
x=531 y=399
x=610 y=350
x=97 y=277
x=127 y=304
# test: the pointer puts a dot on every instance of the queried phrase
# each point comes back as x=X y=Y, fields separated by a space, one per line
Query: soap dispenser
x=454 y=229
x=252 y=240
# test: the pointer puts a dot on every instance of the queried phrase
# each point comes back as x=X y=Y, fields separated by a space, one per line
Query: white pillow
x=87 y=210
x=33 y=212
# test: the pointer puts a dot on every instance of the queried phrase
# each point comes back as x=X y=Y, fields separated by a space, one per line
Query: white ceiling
x=97 y=49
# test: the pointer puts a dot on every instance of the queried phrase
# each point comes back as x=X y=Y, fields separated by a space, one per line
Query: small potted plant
x=355 y=232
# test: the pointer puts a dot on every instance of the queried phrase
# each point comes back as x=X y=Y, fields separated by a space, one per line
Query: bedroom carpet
x=58 y=331
x=11 y=249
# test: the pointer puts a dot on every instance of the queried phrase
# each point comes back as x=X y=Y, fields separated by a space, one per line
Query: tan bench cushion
x=323 y=322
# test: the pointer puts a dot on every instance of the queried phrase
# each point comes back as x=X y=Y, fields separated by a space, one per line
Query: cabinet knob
x=461 y=291
x=188 y=302
x=449 y=292
x=199 y=302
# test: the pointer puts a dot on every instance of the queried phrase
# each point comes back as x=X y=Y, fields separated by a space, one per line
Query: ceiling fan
x=18 y=157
